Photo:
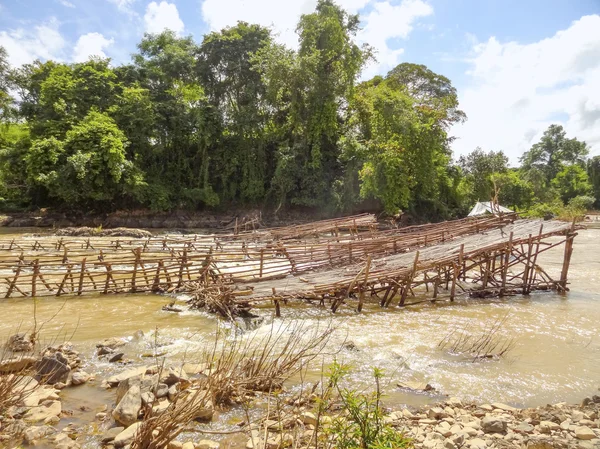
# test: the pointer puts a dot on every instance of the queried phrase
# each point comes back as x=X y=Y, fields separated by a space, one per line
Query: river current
x=556 y=354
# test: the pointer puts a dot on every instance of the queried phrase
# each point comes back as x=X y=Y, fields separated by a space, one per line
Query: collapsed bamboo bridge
x=348 y=261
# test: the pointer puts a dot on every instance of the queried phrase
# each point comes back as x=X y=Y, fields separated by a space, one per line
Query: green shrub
x=363 y=427
x=584 y=202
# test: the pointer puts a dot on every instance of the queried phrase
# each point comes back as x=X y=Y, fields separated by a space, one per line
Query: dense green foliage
x=241 y=121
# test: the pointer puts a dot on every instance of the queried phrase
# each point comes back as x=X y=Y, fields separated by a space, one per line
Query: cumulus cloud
x=66 y=3
x=381 y=20
x=125 y=6
x=515 y=91
x=161 y=16
x=39 y=42
x=387 y=21
x=90 y=44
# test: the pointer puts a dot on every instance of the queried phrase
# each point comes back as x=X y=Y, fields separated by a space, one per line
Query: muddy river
x=556 y=354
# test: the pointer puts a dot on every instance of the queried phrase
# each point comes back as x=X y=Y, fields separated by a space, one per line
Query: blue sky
x=518 y=65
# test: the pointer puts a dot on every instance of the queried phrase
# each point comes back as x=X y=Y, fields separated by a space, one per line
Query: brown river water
x=556 y=356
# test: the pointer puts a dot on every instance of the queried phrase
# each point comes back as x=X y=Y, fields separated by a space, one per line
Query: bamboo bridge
x=332 y=262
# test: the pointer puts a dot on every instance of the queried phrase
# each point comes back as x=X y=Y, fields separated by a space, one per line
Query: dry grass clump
x=238 y=368
x=488 y=344
x=241 y=366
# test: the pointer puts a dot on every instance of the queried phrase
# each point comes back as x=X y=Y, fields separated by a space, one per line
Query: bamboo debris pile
x=58 y=266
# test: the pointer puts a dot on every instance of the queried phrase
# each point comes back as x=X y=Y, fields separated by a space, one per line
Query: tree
x=323 y=79
x=513 y=190
x=593 y=170
x=570 y=182
x=552 y=152
x=88 y=167
x=6 y=100
x=237 y=92
x=479 y=167
x=429 y=90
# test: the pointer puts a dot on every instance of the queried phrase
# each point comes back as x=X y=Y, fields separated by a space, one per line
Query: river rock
x=175 y=445
x=79 y=377
x=51 y=370
x=523 y=428
x=161 y=390
x=113 y=381
x=34 y=433
x=148 y=398
x=172 y=377
x=111 y=343
x=548 y=426
x=416 y=386
x=172 y=392
x=436 y=413
x=188 y=445
x=207 y=444
x=584 y=433
x=492 y=424
x=506 y=408
x=38 y=395
x=127 y=435
x=110 y=434
x=194 y=368
x=160 y=406
x=477 y=443
x=44 y=411
x=17 y=364
x=117 y=357
x=126 y=384
x=308 y=418
x=63 y=441
x=20 y=343
x=127 y=410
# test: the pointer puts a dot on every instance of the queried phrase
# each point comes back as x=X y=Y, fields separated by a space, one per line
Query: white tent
x=488 y=208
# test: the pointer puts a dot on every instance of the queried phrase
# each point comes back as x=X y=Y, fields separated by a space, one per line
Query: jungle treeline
x=240 y=121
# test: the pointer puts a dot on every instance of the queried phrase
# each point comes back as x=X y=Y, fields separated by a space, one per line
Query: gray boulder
x=127 y=410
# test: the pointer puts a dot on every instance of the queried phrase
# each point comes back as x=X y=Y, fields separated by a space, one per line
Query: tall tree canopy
x=238 y=120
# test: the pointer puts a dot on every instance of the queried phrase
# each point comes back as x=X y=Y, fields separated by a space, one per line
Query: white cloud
x=161 y=16
x=39 y=42
x=125 y=6
x=384 y=21
x=387 y=21
x=517 y=90
x=90 y=44
x=66 y=3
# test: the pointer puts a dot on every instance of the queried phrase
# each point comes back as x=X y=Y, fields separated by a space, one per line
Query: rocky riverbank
x=143 y=392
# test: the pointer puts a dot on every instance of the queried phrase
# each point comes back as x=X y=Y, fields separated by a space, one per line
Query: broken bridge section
x=350 y=260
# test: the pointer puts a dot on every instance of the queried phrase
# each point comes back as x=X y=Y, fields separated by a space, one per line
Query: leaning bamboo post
x=455 y=273
x=527 y=266
x=567 y=257
x=262 y=257
x=137 y=252
x=36 y=272
x=277 y=305
x=81 y=274
x=156 y=282
x=108 y=277
x=409 y=280
x=506 y=260
x=13 y=283
x=181 y=268
x=361 y=296
x=436 y=284
x=537 y=250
